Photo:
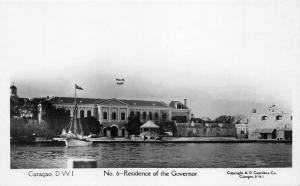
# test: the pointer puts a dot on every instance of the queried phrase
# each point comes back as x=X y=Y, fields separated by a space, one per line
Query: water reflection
x=196 y=155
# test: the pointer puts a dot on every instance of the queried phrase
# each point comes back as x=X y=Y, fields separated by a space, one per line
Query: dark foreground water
x=148 y=155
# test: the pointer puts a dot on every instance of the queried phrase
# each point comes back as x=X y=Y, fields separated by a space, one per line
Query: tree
x=225 y=119
x=91 y=125
x=240 y=119
x=167 y=126
x=57 y=119
x=133 y=125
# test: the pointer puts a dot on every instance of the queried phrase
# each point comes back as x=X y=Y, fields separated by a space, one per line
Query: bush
x=133 y=125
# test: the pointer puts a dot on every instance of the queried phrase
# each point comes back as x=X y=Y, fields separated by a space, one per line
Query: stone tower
x=13 y=96
x=13 y=91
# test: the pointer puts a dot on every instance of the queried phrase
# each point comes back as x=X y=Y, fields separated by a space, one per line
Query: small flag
x=78 y=87
x=120 y=81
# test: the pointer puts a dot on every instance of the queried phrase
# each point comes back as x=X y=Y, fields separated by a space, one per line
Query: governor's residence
x=112 y=113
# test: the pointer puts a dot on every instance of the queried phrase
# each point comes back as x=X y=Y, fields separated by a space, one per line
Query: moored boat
x=77 y=142
x=75 y=136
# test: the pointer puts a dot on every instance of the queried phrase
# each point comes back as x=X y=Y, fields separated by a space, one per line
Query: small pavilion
x=149 y=130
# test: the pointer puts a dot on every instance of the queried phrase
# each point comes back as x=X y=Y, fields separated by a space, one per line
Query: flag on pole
x=78 y=87
x=120 y=81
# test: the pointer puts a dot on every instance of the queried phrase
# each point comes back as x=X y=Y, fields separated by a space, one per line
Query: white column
x=85 y=113
x=118 y=114
x=109 y=113
x=170 y=115
x=71 y=112
x=99 y=114
x=159 y=115
x=93 y=111
x=78 y=112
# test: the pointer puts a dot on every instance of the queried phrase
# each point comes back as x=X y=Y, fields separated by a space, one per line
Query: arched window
x=82 y=114
x=278 y=117
x=105 y=115
x=68 y=112
x=156 y=116
x=144 y=115
x=89 y=114
x=164 y=116
x=61 y=111
x=264 y=118
x=123 y=116
x=131 y=113
x=113 y=115
x=138 y=115
x=179 y=106
x=150 y=115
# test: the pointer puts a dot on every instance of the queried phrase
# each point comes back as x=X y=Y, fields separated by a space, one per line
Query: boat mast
x=75 y=114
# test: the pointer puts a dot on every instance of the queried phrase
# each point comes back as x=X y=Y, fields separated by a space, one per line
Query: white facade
x=272 y=119
x=114 y=112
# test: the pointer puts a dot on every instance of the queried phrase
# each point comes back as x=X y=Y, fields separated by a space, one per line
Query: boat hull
x=77 y=142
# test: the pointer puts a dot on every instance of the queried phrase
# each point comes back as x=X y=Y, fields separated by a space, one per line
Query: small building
x=284 y=134
x=263 y=124
x=265 y=133
x=20 y=107
x=241 y=130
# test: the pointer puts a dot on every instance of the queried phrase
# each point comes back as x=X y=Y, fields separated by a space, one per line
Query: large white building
x=272 y=124
x=112 y=113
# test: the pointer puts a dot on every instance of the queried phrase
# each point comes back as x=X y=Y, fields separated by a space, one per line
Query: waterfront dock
x=189 y=140
x=59 y=141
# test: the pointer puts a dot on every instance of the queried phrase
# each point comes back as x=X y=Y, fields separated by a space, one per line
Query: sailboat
x=75 y=135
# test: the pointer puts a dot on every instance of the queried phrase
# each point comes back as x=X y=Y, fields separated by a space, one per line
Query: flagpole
x=75 y=122
x=75 y=97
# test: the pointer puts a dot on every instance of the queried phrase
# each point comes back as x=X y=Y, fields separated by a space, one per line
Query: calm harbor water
x=148 y=155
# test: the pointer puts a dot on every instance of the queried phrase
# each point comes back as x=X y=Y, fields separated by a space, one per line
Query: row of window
x=123 y=115
x=89 y=113
x=278 y=117
x=114 y=116
x=138 y=114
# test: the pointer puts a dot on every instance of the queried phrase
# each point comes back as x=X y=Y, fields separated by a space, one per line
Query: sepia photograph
x=161 y=88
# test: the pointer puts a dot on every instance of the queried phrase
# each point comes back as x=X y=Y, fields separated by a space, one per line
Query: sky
x=224 y=57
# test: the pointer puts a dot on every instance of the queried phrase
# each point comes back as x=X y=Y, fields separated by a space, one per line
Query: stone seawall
x=206 y=132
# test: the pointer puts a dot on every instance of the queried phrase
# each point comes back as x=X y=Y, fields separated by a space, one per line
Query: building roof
x=264 y=130
x=149 y=124
x=284 y=129
x=173 y=104
x=144 y=103
x=70 y=100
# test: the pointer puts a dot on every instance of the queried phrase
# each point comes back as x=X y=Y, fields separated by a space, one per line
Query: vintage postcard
x=200 y=92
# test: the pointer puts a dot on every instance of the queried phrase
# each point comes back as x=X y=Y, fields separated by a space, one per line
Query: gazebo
x=149 y=130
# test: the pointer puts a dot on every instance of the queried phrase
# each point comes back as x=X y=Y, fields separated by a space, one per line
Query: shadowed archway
x=114 y=131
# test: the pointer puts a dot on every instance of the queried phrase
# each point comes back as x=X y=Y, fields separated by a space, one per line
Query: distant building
x=14 y=99
x=241 y=130
x=112 y=113
x=273 y=124
x=20 y=107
